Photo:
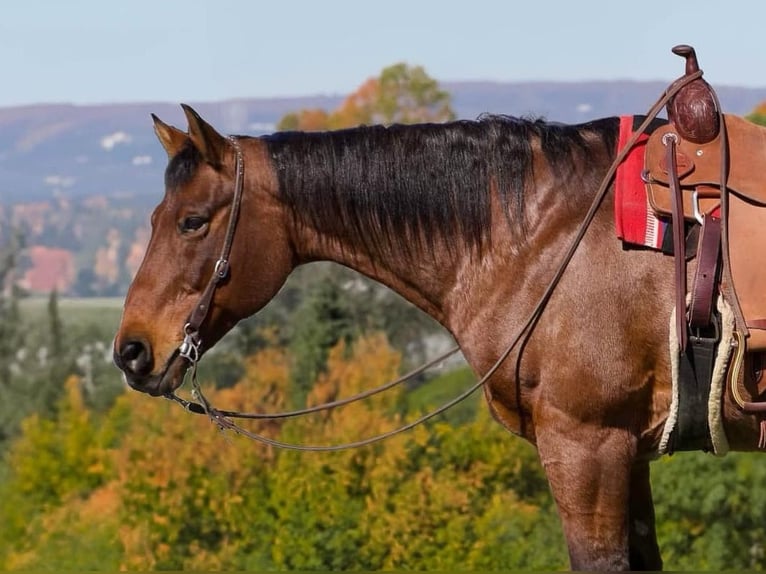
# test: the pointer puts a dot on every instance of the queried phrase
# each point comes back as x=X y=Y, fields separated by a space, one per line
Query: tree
x=53 y=461
x=758 y=115
x=152 y=487
x=55 y=326
x=710 y=513
x=407 y=95
x=313 y=119
x=400 y=94
x=11 y=334
x=321 y=320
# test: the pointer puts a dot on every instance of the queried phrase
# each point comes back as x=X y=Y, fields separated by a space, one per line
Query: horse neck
x=416 y=207
x=368 y=198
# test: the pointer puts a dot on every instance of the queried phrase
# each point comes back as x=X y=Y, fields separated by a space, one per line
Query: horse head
x=173 y=287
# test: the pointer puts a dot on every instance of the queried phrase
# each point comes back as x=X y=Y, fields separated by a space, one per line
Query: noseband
x=190 y=347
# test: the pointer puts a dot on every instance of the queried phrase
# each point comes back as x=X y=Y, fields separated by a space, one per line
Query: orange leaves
x=371 y=364
x=313 y=119
x=358 y=108
x=265 y=382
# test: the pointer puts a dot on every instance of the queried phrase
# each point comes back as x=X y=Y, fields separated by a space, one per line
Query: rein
x=190 y=347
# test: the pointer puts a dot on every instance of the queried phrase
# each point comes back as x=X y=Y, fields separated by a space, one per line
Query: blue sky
x=99 y=51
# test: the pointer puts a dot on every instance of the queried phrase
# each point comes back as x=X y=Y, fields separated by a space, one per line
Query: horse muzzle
x=136 y=361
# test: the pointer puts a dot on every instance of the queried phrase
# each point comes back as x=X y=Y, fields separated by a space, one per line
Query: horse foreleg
x=644 y=550
x=589 y=471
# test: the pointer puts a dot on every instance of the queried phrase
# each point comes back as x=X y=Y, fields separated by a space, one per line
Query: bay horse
x=468 y=220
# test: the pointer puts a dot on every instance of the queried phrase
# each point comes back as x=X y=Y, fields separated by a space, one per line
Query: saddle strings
x=222 y=419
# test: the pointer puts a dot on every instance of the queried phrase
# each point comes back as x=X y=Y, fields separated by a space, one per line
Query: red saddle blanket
x=634 y=220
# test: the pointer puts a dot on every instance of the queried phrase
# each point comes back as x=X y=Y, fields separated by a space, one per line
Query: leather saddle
x=707 y=169
x=736 y=153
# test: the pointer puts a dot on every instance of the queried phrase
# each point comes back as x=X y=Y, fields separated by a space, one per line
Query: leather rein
x=190 y=347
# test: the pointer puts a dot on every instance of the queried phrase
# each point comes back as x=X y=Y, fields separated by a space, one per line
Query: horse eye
x=193 y=223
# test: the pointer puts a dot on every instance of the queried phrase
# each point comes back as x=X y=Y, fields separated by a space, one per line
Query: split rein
x=190 y=347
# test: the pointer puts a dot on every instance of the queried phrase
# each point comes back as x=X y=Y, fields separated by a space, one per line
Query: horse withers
x=468 y=220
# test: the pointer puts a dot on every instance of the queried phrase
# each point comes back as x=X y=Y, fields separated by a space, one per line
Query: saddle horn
x=692 y=110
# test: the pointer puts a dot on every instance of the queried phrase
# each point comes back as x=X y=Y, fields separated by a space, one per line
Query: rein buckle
x=189 y=348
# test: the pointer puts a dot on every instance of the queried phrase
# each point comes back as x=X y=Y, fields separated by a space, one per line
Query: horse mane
x=389 y=188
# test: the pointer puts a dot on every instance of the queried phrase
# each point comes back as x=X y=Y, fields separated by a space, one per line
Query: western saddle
x=704 y=171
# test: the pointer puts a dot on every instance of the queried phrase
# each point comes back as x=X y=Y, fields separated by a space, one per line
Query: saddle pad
x=635 y=221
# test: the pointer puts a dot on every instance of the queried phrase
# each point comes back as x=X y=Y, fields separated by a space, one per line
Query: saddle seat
x=699 y=166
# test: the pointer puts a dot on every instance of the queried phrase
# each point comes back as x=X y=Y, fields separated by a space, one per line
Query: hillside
x=80 y=180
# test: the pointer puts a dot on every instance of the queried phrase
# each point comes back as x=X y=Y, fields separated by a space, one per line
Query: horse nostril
x=135 y=358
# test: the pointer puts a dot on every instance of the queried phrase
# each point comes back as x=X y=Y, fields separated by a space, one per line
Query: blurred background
x=93 y=476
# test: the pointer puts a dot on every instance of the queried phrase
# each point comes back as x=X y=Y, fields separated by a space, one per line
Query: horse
x=468 y=220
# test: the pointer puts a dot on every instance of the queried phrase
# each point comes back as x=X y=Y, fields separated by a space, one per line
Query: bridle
x=190 y=347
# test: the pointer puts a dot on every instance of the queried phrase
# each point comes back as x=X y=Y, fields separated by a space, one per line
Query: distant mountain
x=80 y=181
x=106 y=149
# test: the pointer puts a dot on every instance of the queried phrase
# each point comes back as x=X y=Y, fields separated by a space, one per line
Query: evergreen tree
x=11 y=334
x=55 y=326
x=321 y=320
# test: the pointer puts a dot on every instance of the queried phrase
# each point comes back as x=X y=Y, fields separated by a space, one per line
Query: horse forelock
x=182 y=166
x=390 y=188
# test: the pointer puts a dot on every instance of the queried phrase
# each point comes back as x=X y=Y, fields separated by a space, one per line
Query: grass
x=75 y=312
x=40 y=304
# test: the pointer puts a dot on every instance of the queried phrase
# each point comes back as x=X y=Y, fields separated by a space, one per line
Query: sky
x=106 y=51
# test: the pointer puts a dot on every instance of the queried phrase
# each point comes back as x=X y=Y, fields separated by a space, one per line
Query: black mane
x=389 y=186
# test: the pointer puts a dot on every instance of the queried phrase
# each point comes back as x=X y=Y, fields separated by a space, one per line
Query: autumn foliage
x=149 y=486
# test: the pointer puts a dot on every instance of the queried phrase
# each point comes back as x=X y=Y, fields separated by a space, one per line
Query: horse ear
x=209 y=142
x=172 y=139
